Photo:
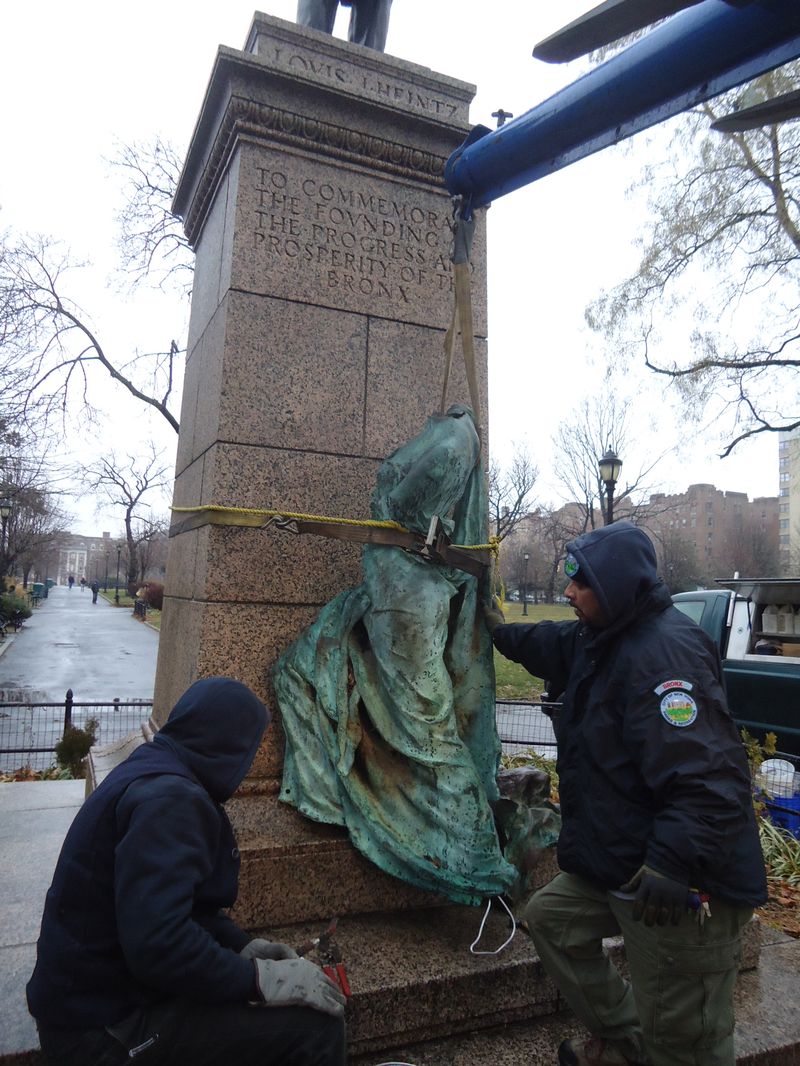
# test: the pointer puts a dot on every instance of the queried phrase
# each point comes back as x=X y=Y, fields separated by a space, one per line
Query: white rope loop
x=505 y=944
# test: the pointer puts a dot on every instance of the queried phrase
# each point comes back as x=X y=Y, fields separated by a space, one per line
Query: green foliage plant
x=781 y=853
x=757 y=751
x=74 y=746
x=9 y=603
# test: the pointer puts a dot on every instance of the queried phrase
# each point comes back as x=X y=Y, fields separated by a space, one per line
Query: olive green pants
x=677 y=1009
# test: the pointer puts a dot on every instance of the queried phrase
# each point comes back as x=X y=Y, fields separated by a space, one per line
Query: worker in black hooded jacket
x=136 y=958
x=658 y=821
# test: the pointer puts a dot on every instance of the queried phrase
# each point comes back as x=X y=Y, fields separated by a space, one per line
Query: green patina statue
x=388 y=699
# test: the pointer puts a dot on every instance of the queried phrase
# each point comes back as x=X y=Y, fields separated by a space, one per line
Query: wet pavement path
x=99 y=651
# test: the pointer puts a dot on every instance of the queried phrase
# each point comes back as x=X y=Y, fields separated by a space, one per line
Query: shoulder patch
x=678 y=708
x=669 y=686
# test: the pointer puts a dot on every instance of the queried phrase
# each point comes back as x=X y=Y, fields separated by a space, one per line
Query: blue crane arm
x=691 y=57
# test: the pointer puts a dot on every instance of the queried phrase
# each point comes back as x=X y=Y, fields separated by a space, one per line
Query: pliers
x=329 y=955
x=333 y=967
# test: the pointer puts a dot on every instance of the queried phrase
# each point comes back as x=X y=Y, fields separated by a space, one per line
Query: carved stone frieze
x=266 y=123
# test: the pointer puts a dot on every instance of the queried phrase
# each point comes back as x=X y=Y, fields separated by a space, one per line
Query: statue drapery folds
x=388 y=698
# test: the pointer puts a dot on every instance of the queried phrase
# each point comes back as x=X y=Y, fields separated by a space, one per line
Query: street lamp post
x=116 y=590
x=6 y=507
x=105 y=587
x=610 y=466
x=526 y=556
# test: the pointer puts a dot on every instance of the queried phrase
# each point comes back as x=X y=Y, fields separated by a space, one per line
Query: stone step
x=767 y=1032
x=420 y=997
x=413 y=978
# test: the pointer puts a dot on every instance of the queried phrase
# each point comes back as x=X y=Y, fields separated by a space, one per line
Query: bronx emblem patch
x=677 y=705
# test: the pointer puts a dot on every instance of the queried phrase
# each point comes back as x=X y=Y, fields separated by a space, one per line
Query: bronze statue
x=369 y=19
x=387 y=699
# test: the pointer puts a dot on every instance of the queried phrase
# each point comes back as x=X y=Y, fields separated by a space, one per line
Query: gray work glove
x=493 y=616
x=265 y=949
x=297 y=983
x=658 y=898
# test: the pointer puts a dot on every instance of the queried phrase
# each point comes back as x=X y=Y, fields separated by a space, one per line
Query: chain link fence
x=522 y=725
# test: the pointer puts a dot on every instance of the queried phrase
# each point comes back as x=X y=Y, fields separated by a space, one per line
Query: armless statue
x=388 y=698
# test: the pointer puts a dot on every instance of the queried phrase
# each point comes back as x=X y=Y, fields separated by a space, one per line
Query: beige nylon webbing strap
x=435 y=546
x=461 y=320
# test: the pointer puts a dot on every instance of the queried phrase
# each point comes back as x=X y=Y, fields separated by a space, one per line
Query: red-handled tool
x=333 y=967
x=320 y=942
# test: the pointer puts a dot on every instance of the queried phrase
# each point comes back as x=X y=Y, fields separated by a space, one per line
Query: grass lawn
x=513 y=681
x=124 y=599
x=153 y=616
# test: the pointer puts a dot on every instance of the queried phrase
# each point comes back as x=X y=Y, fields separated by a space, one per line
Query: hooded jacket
x=651 y=768
x=133 y=912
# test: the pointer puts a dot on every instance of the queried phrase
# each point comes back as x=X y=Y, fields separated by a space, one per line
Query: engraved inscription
x=394 y=92
x=360 y=242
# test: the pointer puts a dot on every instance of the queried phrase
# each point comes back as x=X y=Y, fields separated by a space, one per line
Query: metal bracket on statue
x=438 y=549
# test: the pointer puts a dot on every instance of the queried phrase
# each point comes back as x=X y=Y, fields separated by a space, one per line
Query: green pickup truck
x=753 y=623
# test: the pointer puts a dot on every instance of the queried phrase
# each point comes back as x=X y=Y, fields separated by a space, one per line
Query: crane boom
x=693 y=56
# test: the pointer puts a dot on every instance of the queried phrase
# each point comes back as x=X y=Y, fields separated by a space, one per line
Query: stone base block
x=294 y=869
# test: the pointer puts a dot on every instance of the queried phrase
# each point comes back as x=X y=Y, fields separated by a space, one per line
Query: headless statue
x=388 y=700
x=369 y=19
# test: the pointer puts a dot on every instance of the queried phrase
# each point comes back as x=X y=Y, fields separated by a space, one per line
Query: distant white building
x=89 y=557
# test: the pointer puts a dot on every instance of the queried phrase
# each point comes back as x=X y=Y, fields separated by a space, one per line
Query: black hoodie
x=133 y=913
x=651 y=768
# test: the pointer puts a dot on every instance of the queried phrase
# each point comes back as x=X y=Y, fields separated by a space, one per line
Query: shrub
x=153 y=594
x=74 y=746
x=9 y=604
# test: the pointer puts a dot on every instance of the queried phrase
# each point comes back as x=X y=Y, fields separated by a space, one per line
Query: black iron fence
x=29 y=732
x=522 y=725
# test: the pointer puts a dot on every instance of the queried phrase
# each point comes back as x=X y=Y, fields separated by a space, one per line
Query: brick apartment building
x=705 y=533
x=701 y=534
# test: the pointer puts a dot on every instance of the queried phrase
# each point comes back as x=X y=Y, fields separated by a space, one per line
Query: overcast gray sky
x=77 y=77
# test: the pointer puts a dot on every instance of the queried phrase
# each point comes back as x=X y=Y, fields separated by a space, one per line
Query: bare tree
x=677 y=563
x=600 y=423
x=50 y=349
x=36 y=516
x=511 y=491
x=541 y=535
x=125 y=483
x=150 y=537
x=152 y=243
x=724 y=245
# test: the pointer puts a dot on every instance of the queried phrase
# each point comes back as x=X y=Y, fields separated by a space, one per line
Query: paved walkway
x=34 y=819
x=99 y=651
